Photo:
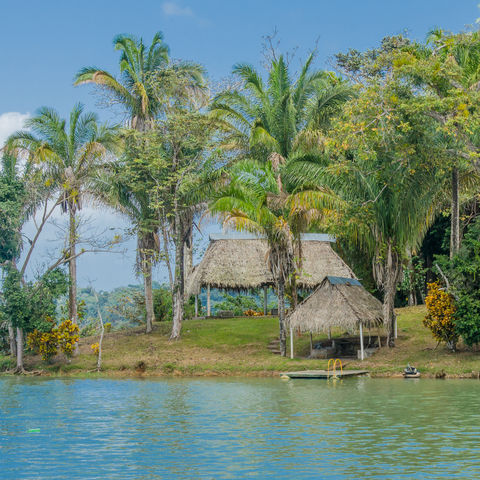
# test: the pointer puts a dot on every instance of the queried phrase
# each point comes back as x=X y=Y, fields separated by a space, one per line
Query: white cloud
x=10 y=122
x=172 y=9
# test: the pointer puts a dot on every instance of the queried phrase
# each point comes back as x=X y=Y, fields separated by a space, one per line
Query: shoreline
x=241 y=347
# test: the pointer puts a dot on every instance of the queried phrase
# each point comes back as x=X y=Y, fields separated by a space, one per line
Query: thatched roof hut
x=238 y=261
x=337 y=302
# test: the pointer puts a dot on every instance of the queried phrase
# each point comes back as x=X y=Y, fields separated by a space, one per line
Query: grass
x=238 y=346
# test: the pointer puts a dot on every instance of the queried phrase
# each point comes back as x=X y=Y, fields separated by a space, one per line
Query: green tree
x=446 y=74
x=273 y=123
x=143 y=90
x=69 y=155
x=382 y=166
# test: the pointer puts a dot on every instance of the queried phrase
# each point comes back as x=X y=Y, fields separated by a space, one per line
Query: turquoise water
x=239 y=428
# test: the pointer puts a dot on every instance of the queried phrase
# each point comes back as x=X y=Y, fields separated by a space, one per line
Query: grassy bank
x=239 y=347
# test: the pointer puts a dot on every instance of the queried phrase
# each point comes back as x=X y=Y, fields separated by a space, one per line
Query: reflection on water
x=223 y=429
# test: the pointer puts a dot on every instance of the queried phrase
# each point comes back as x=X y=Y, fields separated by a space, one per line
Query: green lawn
x=238 y=346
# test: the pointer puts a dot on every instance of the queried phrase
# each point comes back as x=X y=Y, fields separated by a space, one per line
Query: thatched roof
x=337 y=302
x=239 y=262
x=233 y=264
x=319 y=260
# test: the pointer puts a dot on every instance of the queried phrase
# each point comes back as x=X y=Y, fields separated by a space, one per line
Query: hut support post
x=196 y=305
x=396 y=328
x=311 y=343
x=329 y=333
x=291 y=343
x=265 y=296
x=361 y=341
x=208 y=301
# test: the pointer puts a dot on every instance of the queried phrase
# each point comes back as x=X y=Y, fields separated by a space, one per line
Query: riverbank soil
x=239 y=347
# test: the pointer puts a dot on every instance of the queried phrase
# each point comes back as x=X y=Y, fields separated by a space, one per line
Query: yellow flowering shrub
x=95 y=348
x=63 y=337
x=68 y=335
x=43 y=343
x=252 y=313
x=439 y=319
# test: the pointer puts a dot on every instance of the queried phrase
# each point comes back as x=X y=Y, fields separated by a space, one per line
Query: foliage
x=463 y=272
x=139 y=64
x=440 y=316
x=377 y=177
x=162 y=303
x=32 y=305
x=43 y=343
x=63 y=338
x=67 y=337
x=252 y=313
x=237 y=304
x=414 y=274
x=95 y=348
x=12 y=198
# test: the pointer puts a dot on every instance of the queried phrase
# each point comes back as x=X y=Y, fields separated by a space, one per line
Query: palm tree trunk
x=390 y=289
x=281 y=317
x=188 y=249
x=179 y=279
x=11 y=341
x=148 y=290
x=455 y=214
x=19 y=368
x=72 y=270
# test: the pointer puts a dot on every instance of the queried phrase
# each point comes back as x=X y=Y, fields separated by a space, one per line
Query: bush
x=439 y=320
x=467 y=319
x=47 y=344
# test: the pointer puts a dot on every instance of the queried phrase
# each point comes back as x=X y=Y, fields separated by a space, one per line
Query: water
x=239 y=428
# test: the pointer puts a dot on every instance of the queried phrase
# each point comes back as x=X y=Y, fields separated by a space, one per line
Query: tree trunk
x=11 y=339
x=455 y=215
x=148 y=290
x=19 y=350
x=390 y=287
x=188 y=249
x=72 y=270
x=179 y=279
x=281 y=317
x=166 y=253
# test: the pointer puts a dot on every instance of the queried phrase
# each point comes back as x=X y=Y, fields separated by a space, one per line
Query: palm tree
x=279 y=120
x=70 y=155
x=254 y=201
x=246 y=204
x=136 y=205
x=142 y=69
x=266 y=119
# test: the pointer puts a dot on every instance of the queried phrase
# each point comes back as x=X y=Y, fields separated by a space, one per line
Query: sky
x=44 y=43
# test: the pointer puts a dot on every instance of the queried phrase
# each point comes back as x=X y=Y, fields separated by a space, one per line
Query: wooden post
x=396 y=328
x=361 y=342
x=329 y=333
x=208 y=301
x=265 y=296
x=196 y=305
x=311 y=343
x=291 y=342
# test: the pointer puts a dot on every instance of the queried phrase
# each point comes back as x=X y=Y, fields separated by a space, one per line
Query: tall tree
x=383 y=167
x=273 y=121
x=446 y=73
x=69 y=155
x=144 y=70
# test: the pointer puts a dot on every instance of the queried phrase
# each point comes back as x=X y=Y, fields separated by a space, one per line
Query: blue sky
x=44 y=43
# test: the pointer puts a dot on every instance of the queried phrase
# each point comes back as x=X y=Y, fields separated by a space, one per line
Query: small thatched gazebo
x=337 y=302
x=238 y=261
